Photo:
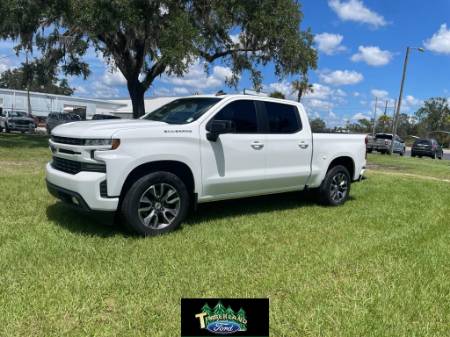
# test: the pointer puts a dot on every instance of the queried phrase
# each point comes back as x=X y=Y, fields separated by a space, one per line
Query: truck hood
x=101 y=128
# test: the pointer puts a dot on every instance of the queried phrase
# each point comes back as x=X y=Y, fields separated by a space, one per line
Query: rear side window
x=282 y=118
x=242 y=113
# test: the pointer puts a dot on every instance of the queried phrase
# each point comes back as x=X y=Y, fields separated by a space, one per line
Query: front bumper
x=82 y=190
x=18 y=127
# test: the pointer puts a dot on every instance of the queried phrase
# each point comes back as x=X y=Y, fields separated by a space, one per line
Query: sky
x=361 y=46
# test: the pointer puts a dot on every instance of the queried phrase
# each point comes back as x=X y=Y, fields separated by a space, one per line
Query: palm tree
x=301 y=87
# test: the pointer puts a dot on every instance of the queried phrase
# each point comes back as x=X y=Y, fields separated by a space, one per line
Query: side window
x=242 y=113
x=282 y=118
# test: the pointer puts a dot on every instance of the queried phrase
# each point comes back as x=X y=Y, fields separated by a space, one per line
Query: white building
x=151 y=104
x=42 y=104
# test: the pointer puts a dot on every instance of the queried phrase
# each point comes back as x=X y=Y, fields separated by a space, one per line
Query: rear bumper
x=81 y=190
x=422 y=152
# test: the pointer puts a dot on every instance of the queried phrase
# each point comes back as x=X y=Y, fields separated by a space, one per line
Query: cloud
x=113 y=78
x=5 y=63
x=329 y=43
x=381 y=94
x=197 y=80
x=440 y=41
x=411 y=101
x=372 y=55
x=354 y=10
x=359 y=116
x=341 y=77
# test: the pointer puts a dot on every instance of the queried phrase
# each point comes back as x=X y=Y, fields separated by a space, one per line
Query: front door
x=235 y=163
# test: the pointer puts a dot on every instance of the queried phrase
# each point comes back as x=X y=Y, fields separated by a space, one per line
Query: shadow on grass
x=249 y=206
x=103 y=224
x=18 y=140
x=92 y=224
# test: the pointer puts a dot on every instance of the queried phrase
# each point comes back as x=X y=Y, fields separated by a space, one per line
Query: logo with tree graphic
x=221 y=320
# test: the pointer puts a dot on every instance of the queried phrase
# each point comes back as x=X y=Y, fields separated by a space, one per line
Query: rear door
x=289 y=147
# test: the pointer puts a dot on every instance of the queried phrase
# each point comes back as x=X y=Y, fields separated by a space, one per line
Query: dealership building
x=42 y=104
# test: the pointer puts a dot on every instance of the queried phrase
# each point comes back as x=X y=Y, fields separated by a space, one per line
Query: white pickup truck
x=198 y=149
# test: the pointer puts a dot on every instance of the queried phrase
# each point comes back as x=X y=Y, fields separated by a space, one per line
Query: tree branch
x=157 y=69
x=211 y=57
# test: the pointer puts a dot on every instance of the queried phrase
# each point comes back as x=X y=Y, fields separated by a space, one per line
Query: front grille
x=24 y=123
x=74 y=167
x=67 y=140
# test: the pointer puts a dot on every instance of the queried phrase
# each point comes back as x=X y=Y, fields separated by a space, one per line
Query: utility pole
x=375 y=117
x=400 y=96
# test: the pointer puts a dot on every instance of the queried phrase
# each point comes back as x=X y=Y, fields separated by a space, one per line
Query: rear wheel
x=155 y=204
x=434 y=155
x=335 y=188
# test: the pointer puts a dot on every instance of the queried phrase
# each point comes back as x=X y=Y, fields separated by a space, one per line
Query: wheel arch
x=345 y=161
x=180 y=169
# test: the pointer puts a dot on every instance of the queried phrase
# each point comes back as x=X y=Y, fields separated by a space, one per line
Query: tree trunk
x=137 y=91
x=300 y=94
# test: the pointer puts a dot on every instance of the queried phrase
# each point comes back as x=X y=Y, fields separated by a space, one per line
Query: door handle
x=257 y=145
x=303 y=145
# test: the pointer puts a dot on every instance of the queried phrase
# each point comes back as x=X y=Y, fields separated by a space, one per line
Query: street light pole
x=400 y=96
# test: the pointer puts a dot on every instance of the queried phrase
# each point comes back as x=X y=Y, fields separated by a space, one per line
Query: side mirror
x=218 y=127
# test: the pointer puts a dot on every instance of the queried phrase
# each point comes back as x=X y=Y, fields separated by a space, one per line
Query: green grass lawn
x=377 y=266
x=421 y=166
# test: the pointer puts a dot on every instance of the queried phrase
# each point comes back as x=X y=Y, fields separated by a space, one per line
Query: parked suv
x=382 y=143
x=427 y=147
x=199 y=149
x=16 y=121
x=57 y=118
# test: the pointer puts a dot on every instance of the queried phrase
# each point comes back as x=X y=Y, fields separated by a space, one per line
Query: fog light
x=75 y=201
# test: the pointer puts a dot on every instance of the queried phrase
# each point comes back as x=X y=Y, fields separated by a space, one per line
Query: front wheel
x=155 y=204
x=335 y=188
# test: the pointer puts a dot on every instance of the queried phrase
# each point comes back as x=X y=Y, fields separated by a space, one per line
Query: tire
x=329 y=189
x=402 y=153
x=167 y=198
x=369 y=151
x=442 y=155
x=413 y=155
x=433 y=156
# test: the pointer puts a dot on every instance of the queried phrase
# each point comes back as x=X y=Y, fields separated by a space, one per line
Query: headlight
x=97 y=142
x=113 y=143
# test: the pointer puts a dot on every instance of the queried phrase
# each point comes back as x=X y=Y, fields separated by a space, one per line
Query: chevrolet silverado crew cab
x=195 y=150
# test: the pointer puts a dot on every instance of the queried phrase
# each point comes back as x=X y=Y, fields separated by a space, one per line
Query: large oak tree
x=145 y=39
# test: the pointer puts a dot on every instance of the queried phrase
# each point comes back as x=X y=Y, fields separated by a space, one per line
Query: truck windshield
x=182 y=111
x=17 y=114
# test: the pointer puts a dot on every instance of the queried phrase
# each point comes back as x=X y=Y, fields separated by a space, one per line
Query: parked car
x=57 y=118
x=16 y=121
x=382 y=144
x=97 y=117
x=199 y=149
x=427 y=147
